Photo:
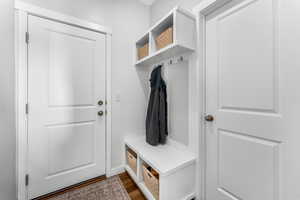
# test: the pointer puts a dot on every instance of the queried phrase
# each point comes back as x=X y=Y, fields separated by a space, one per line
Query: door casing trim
x=56 y=16
x=22 y=10
x=201 y=11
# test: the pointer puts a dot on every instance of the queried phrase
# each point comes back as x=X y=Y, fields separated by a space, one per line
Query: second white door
x=244 y=85
x=66 y=80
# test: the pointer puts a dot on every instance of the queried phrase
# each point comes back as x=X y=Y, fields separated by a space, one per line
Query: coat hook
x=180 y=59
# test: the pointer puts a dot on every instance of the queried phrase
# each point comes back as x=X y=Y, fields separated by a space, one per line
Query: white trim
x=108 y=104
x=21 y=100
x=201 y=161
x=56 y=16
x=190 y=197
x=148 y=2
x=203 y=5
x=116 y=171
x=21 y=22
x=207 y=6
x=201 y=10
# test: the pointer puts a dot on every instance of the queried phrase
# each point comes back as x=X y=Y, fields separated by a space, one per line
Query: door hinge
x=26 y=179
x=27 y=108
x=27 y=37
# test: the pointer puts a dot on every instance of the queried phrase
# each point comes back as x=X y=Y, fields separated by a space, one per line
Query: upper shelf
x=183 y=25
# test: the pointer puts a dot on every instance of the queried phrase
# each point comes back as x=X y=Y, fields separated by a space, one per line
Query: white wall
x=131 y=19
x=7 y=130
x=161 y=7
x=128 y=20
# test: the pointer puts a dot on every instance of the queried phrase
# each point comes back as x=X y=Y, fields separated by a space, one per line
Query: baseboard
x=116 y=171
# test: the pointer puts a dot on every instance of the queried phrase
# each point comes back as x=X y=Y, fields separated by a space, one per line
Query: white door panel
x=63 y=139
x=243 y=160
x=66 y=79
x=71 y=73
x=242 y=93
x=245 y=45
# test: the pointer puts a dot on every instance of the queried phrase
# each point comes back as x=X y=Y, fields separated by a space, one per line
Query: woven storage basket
x=131 y=158
x=164 y=39
x=143 y=51
x=151 y=182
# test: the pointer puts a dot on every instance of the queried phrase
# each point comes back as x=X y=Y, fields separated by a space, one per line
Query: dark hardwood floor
x=132 y=189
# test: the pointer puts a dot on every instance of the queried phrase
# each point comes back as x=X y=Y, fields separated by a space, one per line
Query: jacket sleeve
x=163 y=115
x=152 y=121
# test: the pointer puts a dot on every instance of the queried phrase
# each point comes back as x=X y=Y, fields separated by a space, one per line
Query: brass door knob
x=101 y=113
x=209 y=118
x=100 y=103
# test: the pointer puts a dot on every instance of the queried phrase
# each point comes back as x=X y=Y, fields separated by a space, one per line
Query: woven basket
x=131 y=158
x=143 y=51
x=151 y=182
x=164 y=39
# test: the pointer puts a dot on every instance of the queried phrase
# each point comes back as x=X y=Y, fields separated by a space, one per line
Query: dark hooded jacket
x=157 y=121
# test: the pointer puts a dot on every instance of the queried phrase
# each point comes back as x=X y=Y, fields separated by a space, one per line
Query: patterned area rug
x=109 y=189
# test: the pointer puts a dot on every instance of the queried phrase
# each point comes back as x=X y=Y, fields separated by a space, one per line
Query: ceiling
x=148 y=2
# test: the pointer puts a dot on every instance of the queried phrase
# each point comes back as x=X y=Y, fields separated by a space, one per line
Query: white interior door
x=66 y=79
x=248 y=139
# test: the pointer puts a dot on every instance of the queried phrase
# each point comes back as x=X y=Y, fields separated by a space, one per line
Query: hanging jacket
x=157 y=120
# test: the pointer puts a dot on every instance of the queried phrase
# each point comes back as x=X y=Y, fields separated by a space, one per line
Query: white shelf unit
x=184 y=37
x=176 y=167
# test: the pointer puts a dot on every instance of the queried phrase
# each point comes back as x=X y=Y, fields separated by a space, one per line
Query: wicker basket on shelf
x=143 y=51
x=132 y=161
x=164 y=39
x=151 y=180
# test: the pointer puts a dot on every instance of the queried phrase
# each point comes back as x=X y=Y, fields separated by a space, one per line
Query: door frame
x=201 y=11
x=22 y=10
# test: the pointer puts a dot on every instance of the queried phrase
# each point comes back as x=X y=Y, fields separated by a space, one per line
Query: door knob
x=100 y=113
x=100 y=103
x=209 y=118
